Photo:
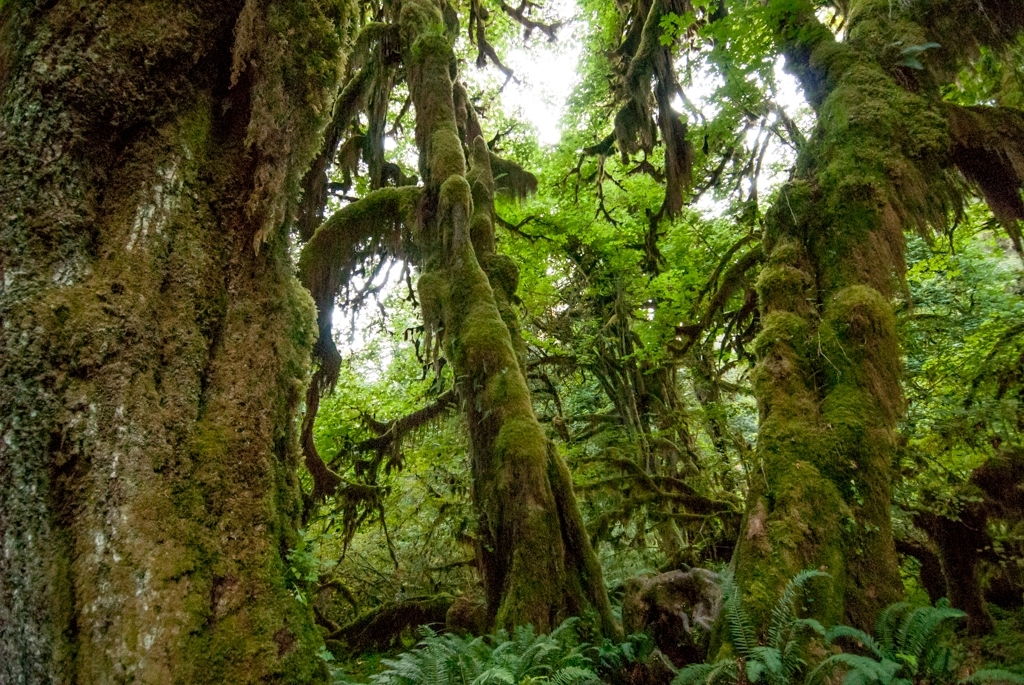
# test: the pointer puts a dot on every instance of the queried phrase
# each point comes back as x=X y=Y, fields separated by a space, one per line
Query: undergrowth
x=912 y=645
x=524 y=658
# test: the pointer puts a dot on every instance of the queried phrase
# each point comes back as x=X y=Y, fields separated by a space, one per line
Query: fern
x=525 y=658
x=780 y=661
x=741 y=630
x=708 y=674
x=865 y=640
x=610 y=657
x=910 y=646
x=784 y=612
x=571 y=675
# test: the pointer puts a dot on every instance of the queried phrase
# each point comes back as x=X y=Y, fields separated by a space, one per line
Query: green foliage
x=615 y=657
x=962 y=345
x=911 y=645
x=524 y=658
x=304 y=567
x=640 y=332
x=780 y=660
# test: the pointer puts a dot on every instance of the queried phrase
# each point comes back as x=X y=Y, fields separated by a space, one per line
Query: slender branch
x=391 y=431
x=529 y=25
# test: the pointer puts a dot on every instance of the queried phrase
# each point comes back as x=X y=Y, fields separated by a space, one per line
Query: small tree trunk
x=959 y=543
x=153 y=357
x=537 y=562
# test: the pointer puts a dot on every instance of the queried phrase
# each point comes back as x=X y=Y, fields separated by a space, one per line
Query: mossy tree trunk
x=154 y=339
x=887 y=155
x=536 y=558
x=829 y=371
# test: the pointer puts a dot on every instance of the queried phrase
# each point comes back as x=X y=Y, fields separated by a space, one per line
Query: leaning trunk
x=154 y=340
x=828 y=372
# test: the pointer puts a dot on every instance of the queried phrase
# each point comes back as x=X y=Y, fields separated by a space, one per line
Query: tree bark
x=154 y=338
x=828 y=372
x=537 y=562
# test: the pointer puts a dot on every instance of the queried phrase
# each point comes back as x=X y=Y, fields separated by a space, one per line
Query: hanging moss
x=961 y=27
x=987 y=146
x=512 y=179
x=292 y=52
x=644 y=57
x=378 y=223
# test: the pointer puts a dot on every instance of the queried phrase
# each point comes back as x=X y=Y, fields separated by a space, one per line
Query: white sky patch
x=546 y=72
x=354 y=333
x=778 y=158
x=548 y=75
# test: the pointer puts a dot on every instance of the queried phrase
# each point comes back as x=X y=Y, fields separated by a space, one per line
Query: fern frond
x=741 y=630
x=888 y=625
x=792 y=660
x=769 y=661
x=836 y=632
x=861 y=669
x=566 y=626
x=570 y=675
x=922 y=627
x=753 y=669
x=809 y=624
x=495 y=675
x=784 y=613
x=707 y=674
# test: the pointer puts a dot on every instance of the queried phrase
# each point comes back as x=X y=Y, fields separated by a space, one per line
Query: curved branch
x=529 y=25
x=391 y=432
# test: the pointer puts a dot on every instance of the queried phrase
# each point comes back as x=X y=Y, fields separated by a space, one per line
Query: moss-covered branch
x=392 y=432
x=987 y=146
x=374 y=226
x=383 y=627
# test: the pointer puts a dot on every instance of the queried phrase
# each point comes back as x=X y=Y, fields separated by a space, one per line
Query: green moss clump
x=503 y=274
x=512 y=179
x=293 y=54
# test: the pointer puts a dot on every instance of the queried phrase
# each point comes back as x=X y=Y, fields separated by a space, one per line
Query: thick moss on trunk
x=153 y=358
x=882 y=159
x=537 y=562
x=828 y=376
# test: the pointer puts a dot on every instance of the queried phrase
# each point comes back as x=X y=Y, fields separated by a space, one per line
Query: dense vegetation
x=650 y=329
x=725 y=386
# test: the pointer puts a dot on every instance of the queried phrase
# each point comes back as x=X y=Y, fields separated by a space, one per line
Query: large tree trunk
x=881 y=161
x=828 y=372
x=154 y=339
